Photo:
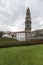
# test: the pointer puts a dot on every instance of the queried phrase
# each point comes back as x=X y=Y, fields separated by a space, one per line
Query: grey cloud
x=13 y=13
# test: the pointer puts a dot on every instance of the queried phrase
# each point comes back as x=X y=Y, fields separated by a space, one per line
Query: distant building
x=37 y=34
x=9 y=34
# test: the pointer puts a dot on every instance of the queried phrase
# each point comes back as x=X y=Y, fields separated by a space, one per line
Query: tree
x=1 y=33
x=13 y=36
x=37 y=34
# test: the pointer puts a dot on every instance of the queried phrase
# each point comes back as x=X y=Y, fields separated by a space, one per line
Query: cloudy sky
x=13 y=13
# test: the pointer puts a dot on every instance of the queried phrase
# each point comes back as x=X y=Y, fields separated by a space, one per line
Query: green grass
x=24 y=55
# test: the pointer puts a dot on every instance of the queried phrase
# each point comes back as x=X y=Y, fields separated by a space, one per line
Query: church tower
x=28 y=25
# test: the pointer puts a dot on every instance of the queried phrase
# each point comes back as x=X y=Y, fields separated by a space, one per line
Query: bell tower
x=28 y=25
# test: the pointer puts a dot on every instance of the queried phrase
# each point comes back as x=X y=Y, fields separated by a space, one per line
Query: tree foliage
x=1 y=33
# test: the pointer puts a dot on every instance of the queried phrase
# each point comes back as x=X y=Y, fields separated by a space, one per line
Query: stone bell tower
x=28 y=26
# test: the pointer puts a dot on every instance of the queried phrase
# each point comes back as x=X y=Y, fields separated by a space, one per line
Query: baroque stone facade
x=28 y=25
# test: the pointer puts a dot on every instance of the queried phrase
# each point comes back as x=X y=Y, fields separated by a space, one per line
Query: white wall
x=20 y=36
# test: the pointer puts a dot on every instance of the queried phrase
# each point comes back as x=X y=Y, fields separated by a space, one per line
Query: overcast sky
x=13 y=13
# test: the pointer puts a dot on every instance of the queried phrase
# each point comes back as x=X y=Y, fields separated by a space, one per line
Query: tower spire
x=28 y=25
x=28 y=11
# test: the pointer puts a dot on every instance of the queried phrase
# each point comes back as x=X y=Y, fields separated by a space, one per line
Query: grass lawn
x=24 y=55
